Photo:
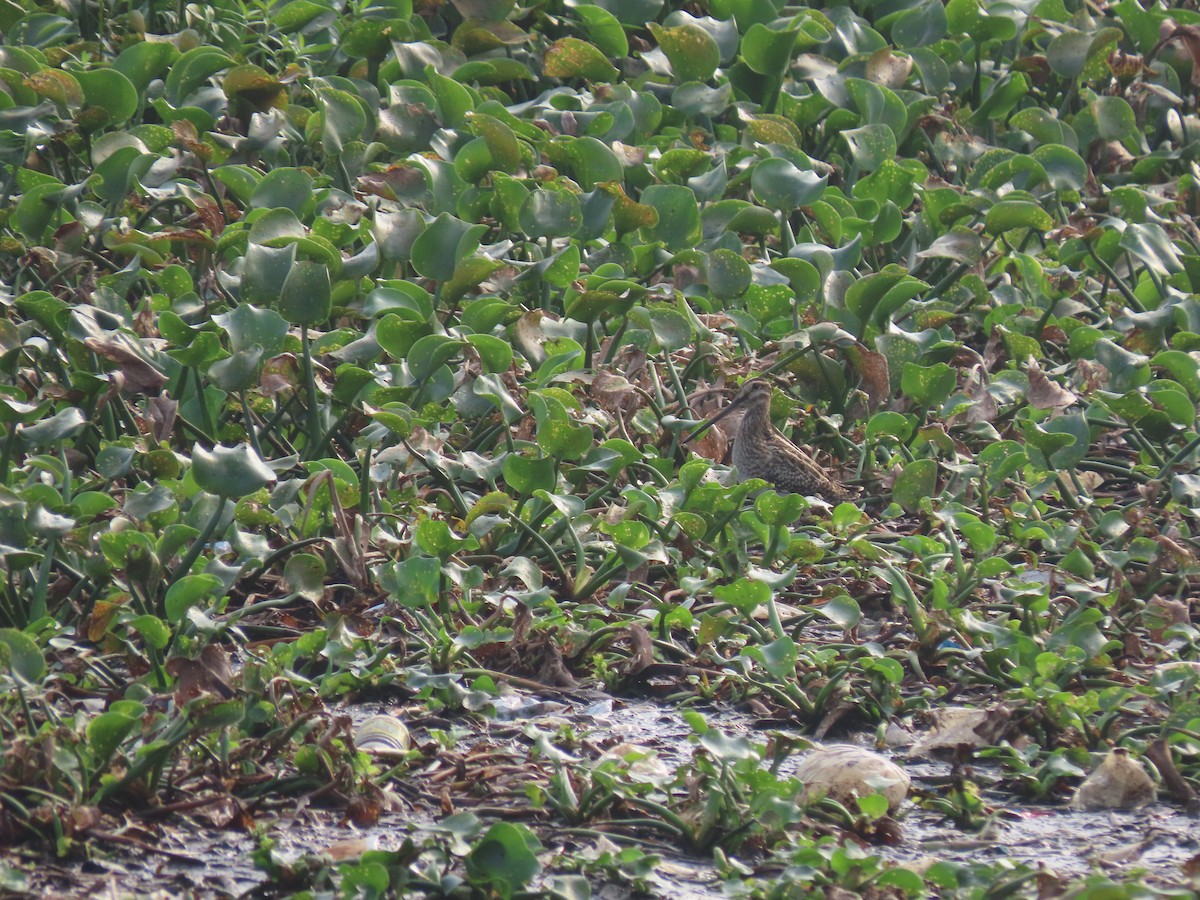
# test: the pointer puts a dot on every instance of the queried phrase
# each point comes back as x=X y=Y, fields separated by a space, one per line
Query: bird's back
x=761 y=451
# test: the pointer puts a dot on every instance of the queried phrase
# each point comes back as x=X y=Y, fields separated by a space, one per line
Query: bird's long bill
x=712 y=420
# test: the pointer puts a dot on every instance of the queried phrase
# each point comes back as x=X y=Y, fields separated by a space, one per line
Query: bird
x=761 y=451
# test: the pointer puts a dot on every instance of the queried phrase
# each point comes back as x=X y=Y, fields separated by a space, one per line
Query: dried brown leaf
x=139 y=375
x=872 y=366
x=1044 y=393
x=160 y=416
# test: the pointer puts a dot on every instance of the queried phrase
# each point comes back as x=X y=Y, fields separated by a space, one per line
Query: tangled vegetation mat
x=354 y=539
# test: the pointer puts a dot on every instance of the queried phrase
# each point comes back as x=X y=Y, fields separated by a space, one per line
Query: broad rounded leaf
x=307 y=296
x=20 y=657
x=1011 y=214
x=504 y=859
x=110 y=92
x=291 y=188
x=1115 y=119
x=189 y=591
x=551 y=212
x=916 y=482
x=692 y=51
x=779 y=184
x=231 y=472
x=678 y=224
x=571 y=57
x=728 y=274
x=525 y=475
x=871 y=145
x=437 y=251
x=768 y=51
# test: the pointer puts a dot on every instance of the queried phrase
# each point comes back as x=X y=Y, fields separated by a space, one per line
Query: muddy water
x=189 y=860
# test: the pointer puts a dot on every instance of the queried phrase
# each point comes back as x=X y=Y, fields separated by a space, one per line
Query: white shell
x=843 y=772
x=1119 y=782
x=382 y=736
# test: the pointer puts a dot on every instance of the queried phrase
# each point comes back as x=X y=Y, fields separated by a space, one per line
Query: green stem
x=200 y=543
x=248 y=418
x=310 y=389
x=10 y=443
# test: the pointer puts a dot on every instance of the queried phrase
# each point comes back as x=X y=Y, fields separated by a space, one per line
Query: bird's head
x=755 y=392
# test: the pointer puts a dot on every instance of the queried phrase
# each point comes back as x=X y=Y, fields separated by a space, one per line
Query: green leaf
x=504 y=859
x=877 y=296
x=728 y=274
x=605 y=29
x=305 y=574
x=525 y=475
x=1151 y=244
x=248 y=326
x=60 y=427
x=916 y=482
x=144 y=61
x=109 y=93
x=745 y=595
x=306 y=297
x=191 y=70
x=37 y=209
x=1115 y=120
x=928 y=386
x=287 y=187
x=778 y=510
x=778 y=657
x=21 y=658
x=779 y=184
x=1003 y=95
x=189 y=591
x=1060 y=444
x=154 y=631
x=552 y=213
x=501 y=142
x=678 y=223
x=436 y=538
x=430 y=353
x=345 y=120
x=692 y=51
x=106 y=732
x=1065 y=169
x=870 y=146
x=768 y=51
x=1008 y=215
x=570 y=57
x=438 y=250
x=417 y=582
x=843 y=610
x=920 y=26
x=495 y=354
x=230 y=472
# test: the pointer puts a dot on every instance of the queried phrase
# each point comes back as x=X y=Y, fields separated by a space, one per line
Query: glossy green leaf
x=549 y=212
x=678 y=215
x=570 y=57
x=1008 y=215
x=604 y=29
x=230 y=472
x=768 y=51
x=692 y=51
x=306 y=297
x=440 y=247
x=870 y=146
x=21 y=658
x=915 y=483
x=779 y=184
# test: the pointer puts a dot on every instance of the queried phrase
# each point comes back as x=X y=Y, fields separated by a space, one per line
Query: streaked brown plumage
x=761 y=451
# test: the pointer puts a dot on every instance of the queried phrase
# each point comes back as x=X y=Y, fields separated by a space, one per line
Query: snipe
x=761 y=451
